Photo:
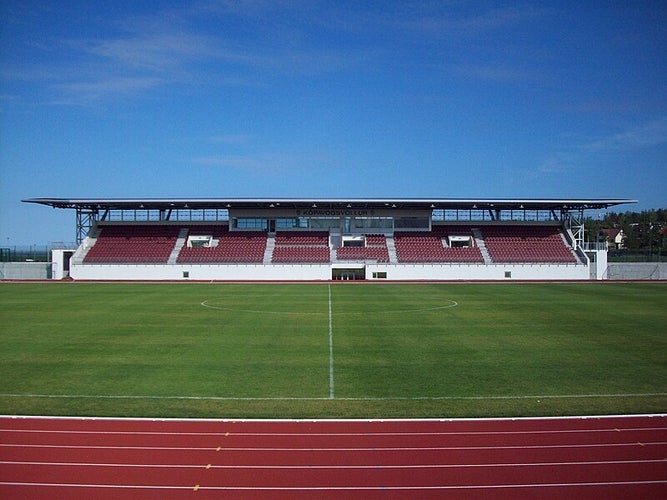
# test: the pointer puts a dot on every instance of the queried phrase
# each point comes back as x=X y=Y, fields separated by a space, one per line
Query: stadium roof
x=368 y=203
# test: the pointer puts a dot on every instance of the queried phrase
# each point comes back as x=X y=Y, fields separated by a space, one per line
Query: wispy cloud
x=91 y=90
x=271 y=163
x=230 y=139
x=155 y=51
x=180 y=46
x=581 y=155
x=257 y=163
x=559 y=163
x=245 y=43
x=653 y=133
x=160 y=58
x=168 y=48
x=471 y=22
x=495 y=73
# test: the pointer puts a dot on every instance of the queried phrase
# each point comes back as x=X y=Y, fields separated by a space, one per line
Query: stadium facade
x=324 y=239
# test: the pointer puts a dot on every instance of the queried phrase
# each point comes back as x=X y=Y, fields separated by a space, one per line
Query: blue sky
x=307 y=98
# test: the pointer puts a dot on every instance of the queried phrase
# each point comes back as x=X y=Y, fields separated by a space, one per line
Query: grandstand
x=324 y=239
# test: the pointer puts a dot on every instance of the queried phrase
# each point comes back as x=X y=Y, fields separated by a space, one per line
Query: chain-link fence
x=31 y=253
x=626 y=256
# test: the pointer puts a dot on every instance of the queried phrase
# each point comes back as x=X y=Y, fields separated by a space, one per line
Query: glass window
x=251 y=224
x=373 y=223
x=423 y=223
x=322 y=223
x=287 y=223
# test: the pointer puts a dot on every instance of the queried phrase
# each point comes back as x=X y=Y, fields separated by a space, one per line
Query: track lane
x=525 y=457
x=353 y=457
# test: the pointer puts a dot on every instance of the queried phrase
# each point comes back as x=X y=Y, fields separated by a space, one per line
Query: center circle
x=218 y=304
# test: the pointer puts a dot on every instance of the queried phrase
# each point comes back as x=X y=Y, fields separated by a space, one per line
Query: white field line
x=591 y=430
x=287 y=398
x=331 y=358
x=626 y=417
x=448 y=305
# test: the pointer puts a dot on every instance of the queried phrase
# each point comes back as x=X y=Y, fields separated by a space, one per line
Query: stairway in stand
x=481 y=244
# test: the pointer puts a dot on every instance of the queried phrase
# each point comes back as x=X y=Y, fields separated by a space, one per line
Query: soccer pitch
x=332 y=350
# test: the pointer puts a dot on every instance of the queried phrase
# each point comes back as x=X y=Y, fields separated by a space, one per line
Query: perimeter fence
x=32 y=253
x=647 y=256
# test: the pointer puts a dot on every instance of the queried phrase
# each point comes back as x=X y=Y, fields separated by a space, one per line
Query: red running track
x=592 y=457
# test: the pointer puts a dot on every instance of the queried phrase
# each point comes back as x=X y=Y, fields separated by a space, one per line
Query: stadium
x=228 y=347
x=331 y=239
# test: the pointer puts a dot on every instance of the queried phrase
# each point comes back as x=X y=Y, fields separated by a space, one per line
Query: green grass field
x=332 y=350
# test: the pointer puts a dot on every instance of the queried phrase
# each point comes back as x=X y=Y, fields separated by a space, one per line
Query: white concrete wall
x=200 y=272
x=25 y=270
x=472 y=272
x=255 y=272
x=58 y=261
x=598 y=264
x=636 y=271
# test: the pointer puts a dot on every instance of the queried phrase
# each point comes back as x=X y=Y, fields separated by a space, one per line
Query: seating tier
x=154 y=243
x=375 y=249
x=301 y=247
x=527 y=244
x=428 y=247
x=232 y=247
x=133 y=244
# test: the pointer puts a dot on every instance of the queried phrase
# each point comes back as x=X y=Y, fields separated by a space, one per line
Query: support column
x=85 y=219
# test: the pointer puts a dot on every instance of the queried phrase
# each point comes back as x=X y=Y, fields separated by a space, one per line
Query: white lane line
x=368 y=466
x=337 y=488
x=340 y=449
x=613 y=430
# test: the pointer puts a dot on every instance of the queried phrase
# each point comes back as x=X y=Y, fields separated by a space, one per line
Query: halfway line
x=331 y=361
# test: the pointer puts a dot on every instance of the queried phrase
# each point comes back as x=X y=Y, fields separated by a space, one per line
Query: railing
x=600 y=246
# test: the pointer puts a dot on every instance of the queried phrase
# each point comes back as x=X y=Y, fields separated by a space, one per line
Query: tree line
x=645 y=232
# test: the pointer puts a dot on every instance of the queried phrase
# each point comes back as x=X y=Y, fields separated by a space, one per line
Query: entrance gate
x=355 y=273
